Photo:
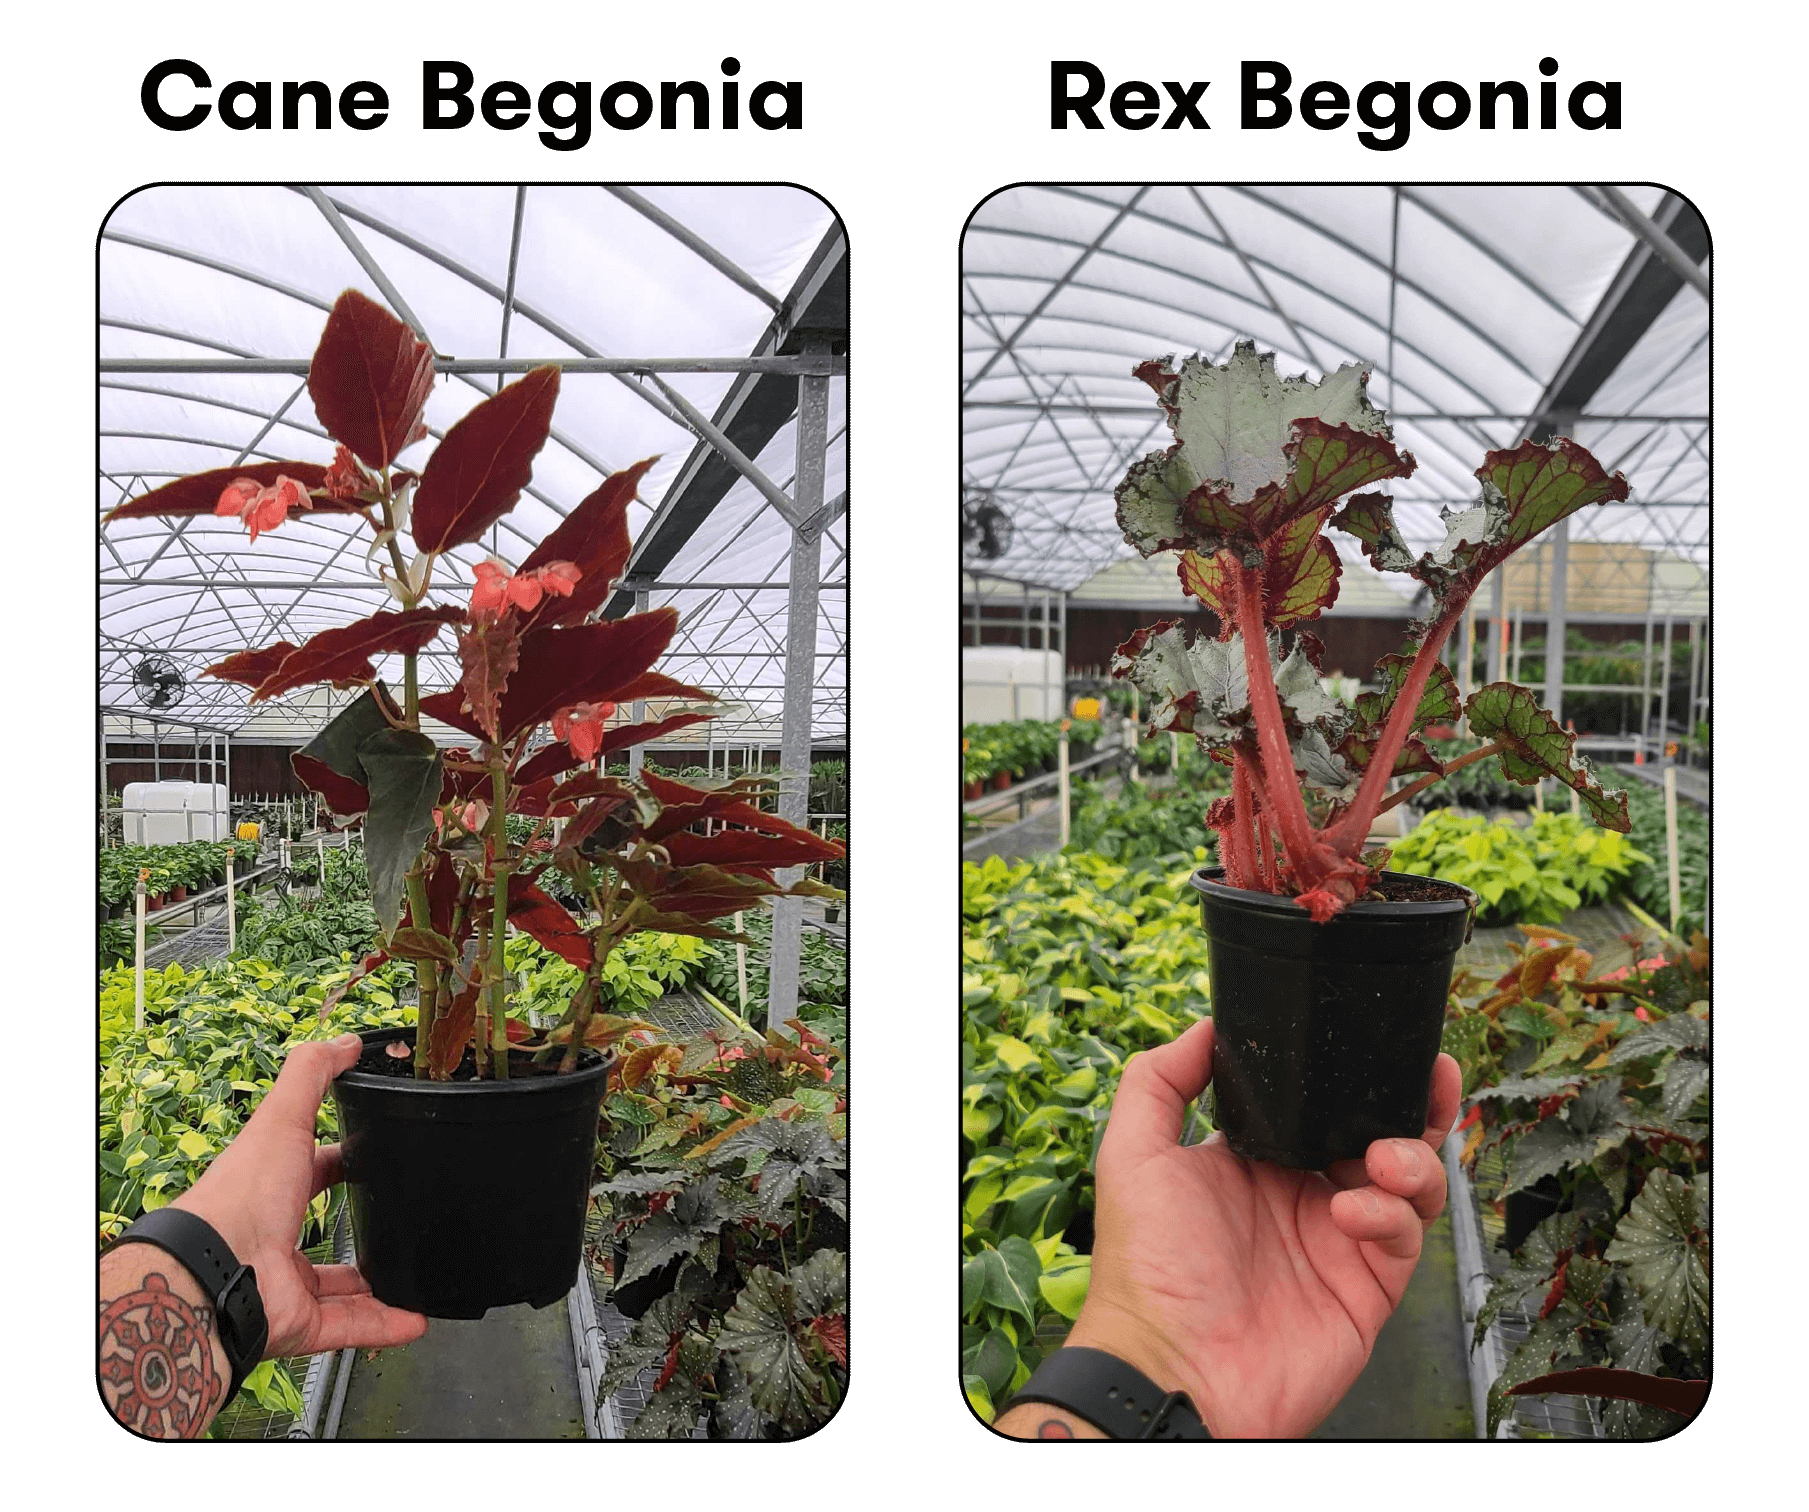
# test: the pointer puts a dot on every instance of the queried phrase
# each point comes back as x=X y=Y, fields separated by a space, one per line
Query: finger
x=1376 y=1217
x=329 y=1168
x=308 y=1070
x=1408 y=1169
x=340 y=1281
x=362 y=1322
x=1447 y=1093
x=1441 y=1111
x=1154 y=1092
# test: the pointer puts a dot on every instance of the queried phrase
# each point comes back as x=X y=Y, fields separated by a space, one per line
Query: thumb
x=1154 y=1092
x=308 y=1070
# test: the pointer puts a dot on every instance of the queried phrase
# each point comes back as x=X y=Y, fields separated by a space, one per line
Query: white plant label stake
x=138 y=951
x=1062 y=769
x=232 y=925
x=1671 y=843
x=740 y=966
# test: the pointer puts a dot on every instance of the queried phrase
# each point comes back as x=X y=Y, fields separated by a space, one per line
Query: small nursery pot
x=973 y=790
x=468 y=1195
x=1001 y=781
x=1326 y=1034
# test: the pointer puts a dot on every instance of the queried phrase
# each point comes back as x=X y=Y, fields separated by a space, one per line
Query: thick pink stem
x=1350 y=831
x=1234 y=839
x=1284 y=800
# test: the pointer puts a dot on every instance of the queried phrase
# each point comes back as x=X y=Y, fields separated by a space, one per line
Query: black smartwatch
x=231 y=1287
x=1117 y=1399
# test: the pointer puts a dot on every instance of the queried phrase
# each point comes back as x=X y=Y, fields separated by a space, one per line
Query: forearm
x=163 y=1371
x=1040 y=1420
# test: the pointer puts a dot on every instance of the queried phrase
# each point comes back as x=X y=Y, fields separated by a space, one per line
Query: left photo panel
x=473 y=791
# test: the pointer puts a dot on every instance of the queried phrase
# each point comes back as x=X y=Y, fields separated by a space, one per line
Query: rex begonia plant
x=1257 y=470
x=446 y=881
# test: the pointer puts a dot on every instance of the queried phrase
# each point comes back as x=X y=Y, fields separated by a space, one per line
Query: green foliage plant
x=1596 y=1084
x=1260 y=465
x=1537 y=873
x=726 y=1175
x=446 y=881
x=1069 y=966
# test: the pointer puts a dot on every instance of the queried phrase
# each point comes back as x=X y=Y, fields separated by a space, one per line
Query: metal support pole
x=1468 y=653
x=1063 y=663
x=1664 y=693
x=156 y=754
x=1048 y=711
x=800 y=681
x=1695 y=667
x=637 y=753
x=1556 y=628
x=1645 y=690
x=1497 y=623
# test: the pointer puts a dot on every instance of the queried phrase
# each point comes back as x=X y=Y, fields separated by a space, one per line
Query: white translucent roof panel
x=1465 y=302
x=192 y=272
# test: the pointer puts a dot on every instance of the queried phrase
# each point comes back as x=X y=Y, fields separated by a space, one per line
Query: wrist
x=164 y=1370
x=1102 y=1325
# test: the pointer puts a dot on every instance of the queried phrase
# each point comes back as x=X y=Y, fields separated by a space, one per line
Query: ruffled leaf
x=489 y=652
x=1533 y=747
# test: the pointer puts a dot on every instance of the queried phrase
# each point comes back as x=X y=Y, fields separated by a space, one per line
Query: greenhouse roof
x=1485 y=313
x=676 y=311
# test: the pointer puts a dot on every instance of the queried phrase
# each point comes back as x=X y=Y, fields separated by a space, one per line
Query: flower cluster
x=497 y=589
x=581 y=727
x=345 y=479
x=259 y=507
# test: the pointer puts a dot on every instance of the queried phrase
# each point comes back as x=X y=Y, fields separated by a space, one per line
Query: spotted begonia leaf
x=1663 y=1244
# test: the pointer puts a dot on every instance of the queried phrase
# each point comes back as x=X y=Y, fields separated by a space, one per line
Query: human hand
x=255 y=1195
x=1257 y=1289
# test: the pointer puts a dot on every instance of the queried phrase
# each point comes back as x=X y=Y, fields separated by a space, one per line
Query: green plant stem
x=427 y=973
x=496 y=986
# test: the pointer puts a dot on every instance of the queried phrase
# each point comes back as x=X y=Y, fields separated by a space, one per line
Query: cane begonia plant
x=446 y=881
x=1260 y=466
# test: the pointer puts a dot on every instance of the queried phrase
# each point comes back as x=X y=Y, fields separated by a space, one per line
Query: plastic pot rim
x=408 y=1086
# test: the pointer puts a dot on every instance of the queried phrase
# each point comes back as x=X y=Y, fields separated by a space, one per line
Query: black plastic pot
x=1526 y=1209
x=1326 y=1034
x=468 y=1195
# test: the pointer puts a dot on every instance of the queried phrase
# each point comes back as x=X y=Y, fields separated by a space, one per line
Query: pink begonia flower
x=476 y=815
x=581 y=727
x=345 y=479
x=259 y=507
x=1642 y=1015
x=496 y=589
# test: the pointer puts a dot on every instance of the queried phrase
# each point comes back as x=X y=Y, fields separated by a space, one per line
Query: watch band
x=233 y=1288
x=1117 y=1399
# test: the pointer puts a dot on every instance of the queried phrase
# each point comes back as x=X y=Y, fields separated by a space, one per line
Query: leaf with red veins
x=369 y=379
x=1440 y=703
x=1524 y=491
x=251 y=667
x=1300 y=573
x=1533 y=747
x=1150 y=502
x=341 y=656
x=1254 y=453
x=594 y=537
x=199 y=493
x=831 y=1331
x=1200 y=689
x=489 y=652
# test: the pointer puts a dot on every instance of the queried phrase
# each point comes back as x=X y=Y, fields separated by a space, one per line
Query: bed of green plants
x=173 y=1093
x=724 y=1185
x=1021 y=747
x=822 y=968
x=1137 y=821
x=195 y=864
x=1069 y=966
x=1589 y=1091
x=1536 y=874
x=1648 y=882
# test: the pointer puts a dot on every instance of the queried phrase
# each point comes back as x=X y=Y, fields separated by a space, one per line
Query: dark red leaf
x=489 y=652
x=449 y=708
x=369 y=379
x=451 y=1033
x=251 y=667
x=594 y=538
x=198 y=493
x=1683 y=1397
x=747 y=847
x=341 y=656
x=582 y=664
x=534 y=913
x=558 y=758
x=478 y=471
x=346 y=798
x=442 y=894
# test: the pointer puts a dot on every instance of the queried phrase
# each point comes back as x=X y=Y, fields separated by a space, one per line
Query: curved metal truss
x=212 y=299
x=1485 y=313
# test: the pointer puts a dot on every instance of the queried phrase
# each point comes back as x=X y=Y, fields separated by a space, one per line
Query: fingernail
x=1412 y=1163
x=1368 y=1201
x=347 y=1040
